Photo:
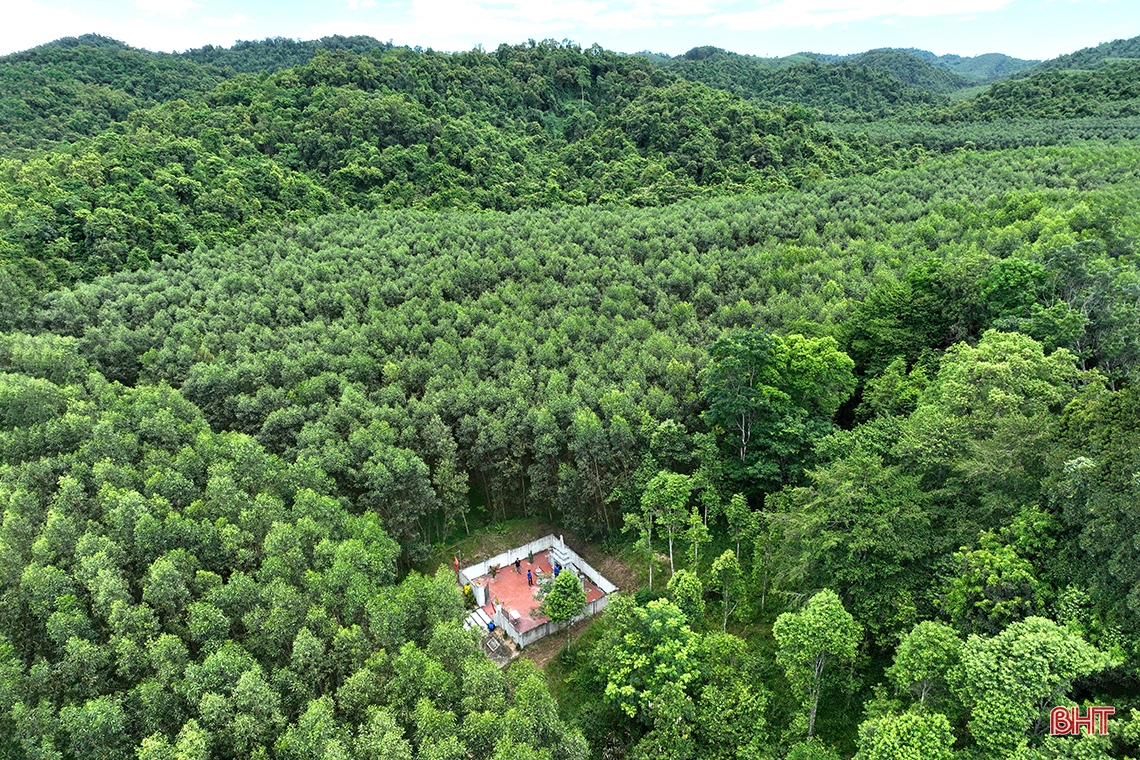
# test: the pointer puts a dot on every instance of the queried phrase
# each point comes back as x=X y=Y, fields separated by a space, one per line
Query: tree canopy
x=851 y=346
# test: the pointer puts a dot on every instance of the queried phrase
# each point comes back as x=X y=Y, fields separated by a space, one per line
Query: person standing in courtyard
x=518 y=565
x=529 y=578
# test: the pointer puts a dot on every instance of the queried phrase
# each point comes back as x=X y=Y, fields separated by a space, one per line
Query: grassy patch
x=485 y=542
x=564 y=670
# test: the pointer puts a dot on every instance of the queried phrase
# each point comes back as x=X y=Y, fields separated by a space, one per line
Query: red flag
x=457 y=563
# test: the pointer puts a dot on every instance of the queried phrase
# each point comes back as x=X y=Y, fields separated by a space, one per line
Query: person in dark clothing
x=518 y=566
x=529 y=578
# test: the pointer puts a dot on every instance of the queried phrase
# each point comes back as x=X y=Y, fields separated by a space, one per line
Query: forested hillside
x=286 y=332
x=1110 y=91
x=276 y=53
x=1092 y=57
x=77 y=87
x=529 y=126
x=910 y=70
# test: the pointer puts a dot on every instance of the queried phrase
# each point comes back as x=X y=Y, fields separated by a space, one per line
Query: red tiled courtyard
x=510 y=589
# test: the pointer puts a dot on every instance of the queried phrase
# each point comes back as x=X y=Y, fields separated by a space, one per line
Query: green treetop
x=822 y=632
x=565 y=600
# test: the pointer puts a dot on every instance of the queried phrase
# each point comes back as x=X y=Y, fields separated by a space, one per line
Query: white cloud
x=820 y=13
x=161 y=35
x=238 y=19
x=458 y=24
x=357 y=4
x=171 y=8
x=28 y=23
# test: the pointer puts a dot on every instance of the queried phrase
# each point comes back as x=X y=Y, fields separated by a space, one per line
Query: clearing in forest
x=509 y=595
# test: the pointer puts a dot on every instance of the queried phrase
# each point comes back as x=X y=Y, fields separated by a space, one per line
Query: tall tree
x=726 y=573
x=697 y=533
x=565 y=600
x=771 y=396
x=667 y=496
x=924 y=660
x=642 y=522
x=821 y=633
x=741 y=520
x=1010 y=681
x=688 y=593
x=648 y=651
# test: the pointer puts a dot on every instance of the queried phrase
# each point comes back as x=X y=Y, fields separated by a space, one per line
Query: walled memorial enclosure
x=506 y=599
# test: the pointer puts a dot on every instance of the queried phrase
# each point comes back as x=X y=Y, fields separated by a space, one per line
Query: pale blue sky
x=1022 y=28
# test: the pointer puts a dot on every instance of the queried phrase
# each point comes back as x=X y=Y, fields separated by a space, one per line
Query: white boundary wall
x=479 y=569
x=534 y=634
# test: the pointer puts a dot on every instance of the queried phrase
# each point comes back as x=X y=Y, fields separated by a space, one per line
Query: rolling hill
x=1090 y=57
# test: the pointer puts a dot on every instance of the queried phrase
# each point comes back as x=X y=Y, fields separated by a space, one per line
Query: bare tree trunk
x=811 y=712
x=820 y=661
x=764 y=589
x=672 y=572
x=649 y=545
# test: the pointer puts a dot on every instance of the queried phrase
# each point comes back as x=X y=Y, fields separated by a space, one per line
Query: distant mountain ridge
x=76 y=87
x=873 y=84
x=276 y=53
x=979 y=69
x=839 y=90
x=911 y=70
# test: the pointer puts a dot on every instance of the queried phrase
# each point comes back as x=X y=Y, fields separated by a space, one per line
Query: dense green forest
x=527 y=126
x=78 y=86
x=1110 y=91
x=992 y=134
x=911 y=70
x=276 y=53
x=988 y=67
x=825 y=357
